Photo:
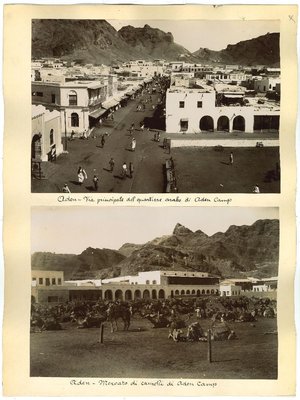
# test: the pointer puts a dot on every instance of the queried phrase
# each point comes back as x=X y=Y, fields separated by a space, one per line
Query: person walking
x=66 y=189
x=124 y=170
x=131 y=169
x=111 y=164
x=102 y=141
x=95 y=182
x=82 y=175
x=231 y=158
x=133 y=144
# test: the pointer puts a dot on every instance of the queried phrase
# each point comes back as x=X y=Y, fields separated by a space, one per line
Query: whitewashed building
x=75 y=100
x=46 y=141
x=223 y=108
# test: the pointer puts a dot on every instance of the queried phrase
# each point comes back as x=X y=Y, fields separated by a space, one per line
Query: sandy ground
x=143 y=352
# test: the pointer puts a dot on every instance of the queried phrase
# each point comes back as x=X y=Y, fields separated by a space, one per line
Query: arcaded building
x=145 y=285
x=219 y=108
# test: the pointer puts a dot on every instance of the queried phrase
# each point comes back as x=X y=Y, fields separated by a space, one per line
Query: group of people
x=82 y=175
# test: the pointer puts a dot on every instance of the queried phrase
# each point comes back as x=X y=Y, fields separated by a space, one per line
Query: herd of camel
x=175 y=314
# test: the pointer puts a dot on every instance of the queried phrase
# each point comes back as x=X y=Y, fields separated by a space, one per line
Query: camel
x=116 y=311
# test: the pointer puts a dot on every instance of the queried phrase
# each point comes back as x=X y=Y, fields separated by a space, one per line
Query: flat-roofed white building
x=266 y=83
x=75 y=100
x=145 y=285
x=46 y=142
x=220 y=108
x=229 y=289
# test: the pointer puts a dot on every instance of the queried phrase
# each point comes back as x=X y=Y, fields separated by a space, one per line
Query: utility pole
x=66 y=140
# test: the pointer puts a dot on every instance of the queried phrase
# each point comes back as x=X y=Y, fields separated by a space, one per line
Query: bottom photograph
x=154 y=292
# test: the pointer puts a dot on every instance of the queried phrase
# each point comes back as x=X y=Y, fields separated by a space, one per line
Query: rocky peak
x=181 y=230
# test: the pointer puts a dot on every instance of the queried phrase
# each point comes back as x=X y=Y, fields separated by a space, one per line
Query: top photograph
x=155 y=106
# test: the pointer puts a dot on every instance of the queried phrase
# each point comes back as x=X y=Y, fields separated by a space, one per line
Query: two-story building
x=75 y=100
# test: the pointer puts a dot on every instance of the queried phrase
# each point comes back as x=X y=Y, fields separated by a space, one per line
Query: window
x=72 y=98
x=53 y=281
x=147 y=282
x=181 y=104
x=47 y=281
x=74 y=119
x=199 y=104
x=154 y=282
x=39 y=94
x=52 y=98
x=51 y=137
x=59 y=281
x=41 y=281
x=184 y=124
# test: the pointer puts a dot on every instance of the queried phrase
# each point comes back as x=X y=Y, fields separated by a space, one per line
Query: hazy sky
x=72 y=229
x=214 y=35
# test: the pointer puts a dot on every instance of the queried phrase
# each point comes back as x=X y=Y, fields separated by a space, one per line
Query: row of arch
x=207 y=123
x=194 y=292
x=146 y=294
x=137 y=294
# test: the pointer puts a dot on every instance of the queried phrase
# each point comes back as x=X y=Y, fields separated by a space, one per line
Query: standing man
x=111 y=164
x=124 y=170
x=231 y=159
x=133 y=144
x=102 y=141
x=95 y=182
x=131 y=169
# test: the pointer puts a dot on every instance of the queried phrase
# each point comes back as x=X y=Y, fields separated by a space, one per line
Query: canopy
x=97 y=113
x=109 y=103
x=233 y=96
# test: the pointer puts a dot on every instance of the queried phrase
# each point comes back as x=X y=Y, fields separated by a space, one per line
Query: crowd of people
x=126 y=168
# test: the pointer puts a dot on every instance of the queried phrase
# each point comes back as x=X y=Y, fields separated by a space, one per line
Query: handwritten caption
x=133 y=382
x=142 y=200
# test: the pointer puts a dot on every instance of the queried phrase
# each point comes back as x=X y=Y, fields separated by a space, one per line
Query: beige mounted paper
x=145 y=234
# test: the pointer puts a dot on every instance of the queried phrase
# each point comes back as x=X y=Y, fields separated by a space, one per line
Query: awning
x=97 y=113
x=109 y=103
x=130 y=93
x=120 y=97
x=233 y=96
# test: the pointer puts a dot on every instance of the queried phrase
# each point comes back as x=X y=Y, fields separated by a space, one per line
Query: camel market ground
x=144 y=352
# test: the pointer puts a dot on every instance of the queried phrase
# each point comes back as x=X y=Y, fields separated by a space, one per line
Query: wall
x=55 y=124
x=222 y=142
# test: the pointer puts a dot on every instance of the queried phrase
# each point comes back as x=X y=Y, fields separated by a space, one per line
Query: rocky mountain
x=240 y=251
x=263 y=50
x=91 y=263
x=154 y=43
x=237 y=252
x=98 y=42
